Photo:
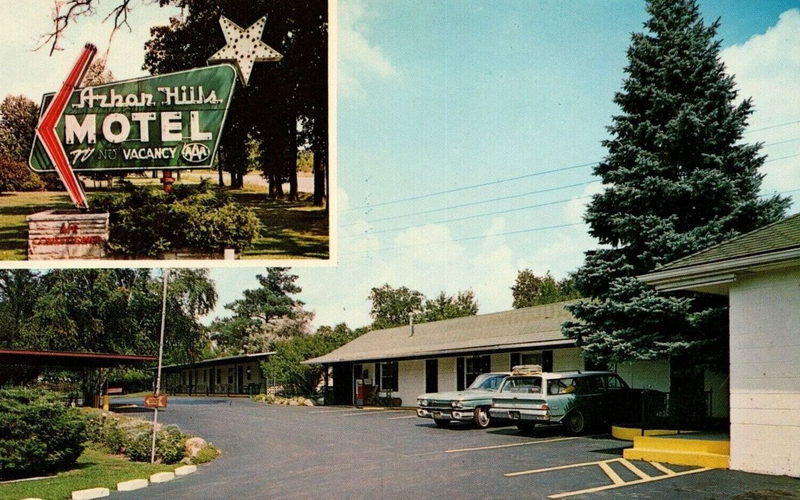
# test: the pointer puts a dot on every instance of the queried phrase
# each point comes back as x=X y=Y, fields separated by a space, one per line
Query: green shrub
x=146 y=221
x=38 y=433
x=169 y=446
x=134 y=437
x=16 y=176
x=205 y=455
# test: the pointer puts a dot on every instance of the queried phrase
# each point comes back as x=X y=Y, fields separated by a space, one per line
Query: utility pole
x=165 y=278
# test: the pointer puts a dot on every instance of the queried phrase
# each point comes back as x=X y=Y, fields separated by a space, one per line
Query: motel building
x=396 y=365
x=221 y=376
x=760 y=273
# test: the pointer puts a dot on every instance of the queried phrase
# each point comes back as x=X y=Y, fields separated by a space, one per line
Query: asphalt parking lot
x=336 y=452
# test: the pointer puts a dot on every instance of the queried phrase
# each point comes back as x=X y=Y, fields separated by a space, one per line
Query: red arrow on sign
x=46 y=130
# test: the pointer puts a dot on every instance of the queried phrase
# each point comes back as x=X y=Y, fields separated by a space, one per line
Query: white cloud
x=358 y=57
x=767 y=68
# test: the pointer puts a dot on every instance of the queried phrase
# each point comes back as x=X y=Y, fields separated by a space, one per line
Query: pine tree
x=677 y=178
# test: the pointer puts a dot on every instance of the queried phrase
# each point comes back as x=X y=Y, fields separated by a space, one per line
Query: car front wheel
x=481 y=418
x=440 y=422
x=575 y=422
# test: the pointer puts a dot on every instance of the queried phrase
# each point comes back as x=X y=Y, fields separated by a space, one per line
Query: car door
x=620 y=401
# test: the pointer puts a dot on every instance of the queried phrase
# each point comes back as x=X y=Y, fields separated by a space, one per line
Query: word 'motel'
x=116 y=128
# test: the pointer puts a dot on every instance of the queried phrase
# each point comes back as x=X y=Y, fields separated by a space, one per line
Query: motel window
x=467 y=369
x=526 y=358
x=388 y=375
x=541 y=358
x=219 y=375
x=230 y=375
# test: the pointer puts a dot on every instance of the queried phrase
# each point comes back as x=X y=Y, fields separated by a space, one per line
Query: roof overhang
x=440 y=353
x=222 y=361
x=716 y=277
x=70 y=359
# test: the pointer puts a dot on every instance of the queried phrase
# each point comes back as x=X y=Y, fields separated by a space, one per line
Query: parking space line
x=341 y=410
x=662 y=468
x=401 y=418
x=370 y=412
x=510 y=445
x=639 y=472
x=611 y=473
x=557 y=467
x=629 y=483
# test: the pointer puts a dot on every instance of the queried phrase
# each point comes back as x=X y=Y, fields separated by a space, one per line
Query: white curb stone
x=90 y=493
x=185 y=470
x=133 y=484
x=162 y=477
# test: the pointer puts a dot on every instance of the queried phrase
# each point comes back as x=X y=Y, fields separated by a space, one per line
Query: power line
x=485 y=214
x=468 y=238
x=468 y=217
x=473 y=203
x=508 y=233
x=473 y=186
x=769 y=127
x=545 y=172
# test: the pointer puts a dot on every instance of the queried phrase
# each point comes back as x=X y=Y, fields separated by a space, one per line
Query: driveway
x=336 y=452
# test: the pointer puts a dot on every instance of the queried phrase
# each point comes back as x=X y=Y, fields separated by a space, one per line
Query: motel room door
x=431 y=375
x=342 y=384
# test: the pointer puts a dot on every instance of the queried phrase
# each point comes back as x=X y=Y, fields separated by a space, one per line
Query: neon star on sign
x=244 y=47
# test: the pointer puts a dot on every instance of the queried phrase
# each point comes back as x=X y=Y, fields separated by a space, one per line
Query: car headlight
x=457 y=404
x=422 y=402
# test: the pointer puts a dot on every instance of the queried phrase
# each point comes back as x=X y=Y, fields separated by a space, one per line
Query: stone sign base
x=67 y=234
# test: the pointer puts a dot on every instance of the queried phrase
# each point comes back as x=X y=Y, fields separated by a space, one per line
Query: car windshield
x=487 y=382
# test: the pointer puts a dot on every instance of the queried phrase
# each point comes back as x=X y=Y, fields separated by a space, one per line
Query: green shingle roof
x=781 y=235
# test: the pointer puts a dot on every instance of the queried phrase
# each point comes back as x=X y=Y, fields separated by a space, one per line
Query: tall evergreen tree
x=678 y=178
x=263 y=315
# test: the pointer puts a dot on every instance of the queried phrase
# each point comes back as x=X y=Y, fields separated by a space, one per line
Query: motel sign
x=163 y=122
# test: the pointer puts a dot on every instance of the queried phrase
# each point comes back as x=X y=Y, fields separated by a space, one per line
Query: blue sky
x=467 y=130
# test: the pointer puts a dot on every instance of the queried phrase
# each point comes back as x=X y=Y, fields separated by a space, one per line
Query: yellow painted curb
x=707 y=453
x=628 y=433
x=690 y=458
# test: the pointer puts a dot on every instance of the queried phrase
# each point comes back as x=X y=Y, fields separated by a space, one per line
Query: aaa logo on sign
x=195 y=152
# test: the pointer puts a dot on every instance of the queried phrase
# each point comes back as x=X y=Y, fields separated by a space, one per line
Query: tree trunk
x=320 y=175
x=291 y=159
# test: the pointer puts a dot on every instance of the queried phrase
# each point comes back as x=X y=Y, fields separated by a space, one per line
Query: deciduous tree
x=531 y=290
x=394 y=306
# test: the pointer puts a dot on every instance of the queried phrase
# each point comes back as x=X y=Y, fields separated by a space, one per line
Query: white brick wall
x=567 y=359
x=411 y=381
x=765 y=373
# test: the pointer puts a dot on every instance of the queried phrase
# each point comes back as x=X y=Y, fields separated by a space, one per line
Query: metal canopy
x=70 y=359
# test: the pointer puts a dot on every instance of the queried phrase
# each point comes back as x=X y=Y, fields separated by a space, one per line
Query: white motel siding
x=765 y=373
x=411 y=373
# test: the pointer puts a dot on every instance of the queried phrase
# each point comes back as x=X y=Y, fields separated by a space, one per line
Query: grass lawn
x=94 y=469
x=289 y=230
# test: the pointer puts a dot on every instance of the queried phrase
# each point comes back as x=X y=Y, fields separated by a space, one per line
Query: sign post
x=156 y=396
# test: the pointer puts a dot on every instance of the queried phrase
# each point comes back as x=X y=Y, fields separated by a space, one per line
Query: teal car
x=470 y=405
x=577 y=400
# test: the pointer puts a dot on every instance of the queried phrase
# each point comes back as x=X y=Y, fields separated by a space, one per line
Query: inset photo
x=166 y=133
